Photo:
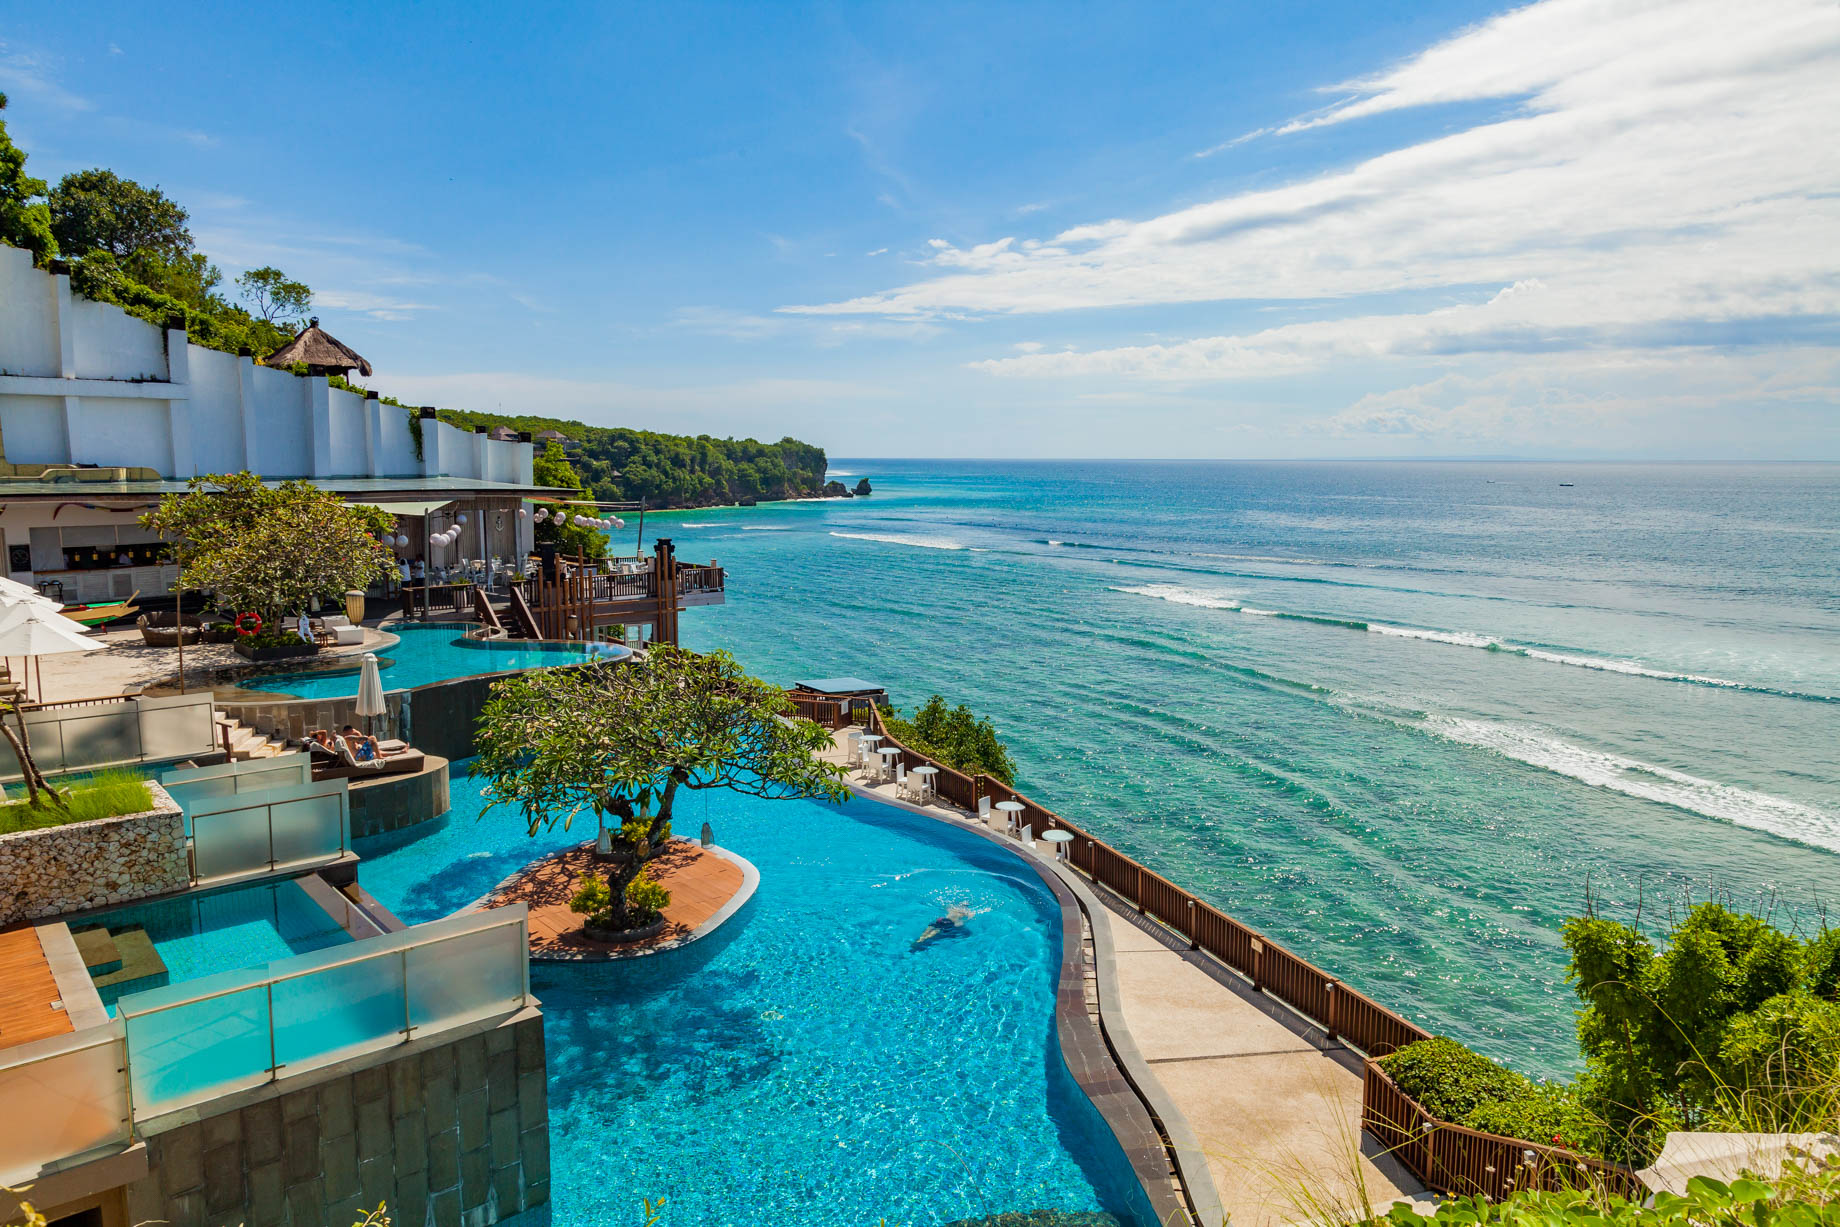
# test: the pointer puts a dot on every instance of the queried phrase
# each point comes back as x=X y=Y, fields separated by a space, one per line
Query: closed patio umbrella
x=370 y=691
x=28 y=629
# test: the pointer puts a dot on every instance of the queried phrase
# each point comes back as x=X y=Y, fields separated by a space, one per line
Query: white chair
x=1028 y=837
x=984 y=810
x=903 y=786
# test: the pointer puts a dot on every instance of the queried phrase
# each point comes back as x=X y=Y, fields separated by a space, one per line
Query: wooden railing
x=1455 y=1159
x=482 y=609
x=1447 y=1158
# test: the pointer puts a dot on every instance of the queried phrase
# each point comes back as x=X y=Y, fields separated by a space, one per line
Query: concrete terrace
x=1271 y=1106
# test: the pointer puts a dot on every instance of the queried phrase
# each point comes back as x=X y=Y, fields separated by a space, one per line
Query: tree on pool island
x=270 y=550
x=623 y=741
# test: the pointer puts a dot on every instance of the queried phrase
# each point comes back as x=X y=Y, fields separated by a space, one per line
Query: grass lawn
x=107 y=794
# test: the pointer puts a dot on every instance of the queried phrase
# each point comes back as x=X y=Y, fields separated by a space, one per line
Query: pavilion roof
x=316 y=347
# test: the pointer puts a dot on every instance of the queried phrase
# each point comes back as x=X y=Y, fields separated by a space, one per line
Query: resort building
x=101 y=413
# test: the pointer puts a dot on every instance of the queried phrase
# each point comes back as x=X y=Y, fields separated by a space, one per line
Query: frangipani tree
x=623 y=741
x=271 y=550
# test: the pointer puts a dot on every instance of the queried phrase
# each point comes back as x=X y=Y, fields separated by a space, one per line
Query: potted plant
x=642 y=917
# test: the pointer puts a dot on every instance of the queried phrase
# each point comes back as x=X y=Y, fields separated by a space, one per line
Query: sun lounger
x=341 y=630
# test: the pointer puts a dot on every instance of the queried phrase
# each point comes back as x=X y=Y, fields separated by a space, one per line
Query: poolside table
x=868 y=741
x=1060 y=840
x=1012 y=809
x=889 y=754
x=926 y=775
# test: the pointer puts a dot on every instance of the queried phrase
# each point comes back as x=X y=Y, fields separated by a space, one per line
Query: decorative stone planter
x=53 y=870
x=287 y=651
x=624 y=937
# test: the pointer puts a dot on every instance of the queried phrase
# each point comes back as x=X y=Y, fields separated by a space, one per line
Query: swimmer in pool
x=952 y=924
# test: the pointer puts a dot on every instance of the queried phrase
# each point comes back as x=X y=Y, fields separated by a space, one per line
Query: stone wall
x=454 y=1135
x=81 y=865
x=391 y=802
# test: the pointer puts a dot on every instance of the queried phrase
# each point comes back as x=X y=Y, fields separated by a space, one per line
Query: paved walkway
x=129 y=663
x=701 y=882
x=1275 y=1111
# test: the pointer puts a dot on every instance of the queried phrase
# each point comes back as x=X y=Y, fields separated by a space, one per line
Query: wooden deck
x=701 y=883
x=27 y=989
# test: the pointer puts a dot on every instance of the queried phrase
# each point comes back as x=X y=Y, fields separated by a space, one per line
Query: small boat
x=97 y=613
x=1567 y=483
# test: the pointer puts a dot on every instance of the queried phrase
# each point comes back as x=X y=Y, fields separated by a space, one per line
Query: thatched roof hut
x=323 y=353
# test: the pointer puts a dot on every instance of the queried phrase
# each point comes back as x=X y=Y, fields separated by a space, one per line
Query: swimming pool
x=182 y=939
x=807 y=1063
x=428 y=652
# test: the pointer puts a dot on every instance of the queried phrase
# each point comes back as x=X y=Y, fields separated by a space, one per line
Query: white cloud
x=1663 y=174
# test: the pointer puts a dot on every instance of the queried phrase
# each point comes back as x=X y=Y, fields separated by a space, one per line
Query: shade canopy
x=1726 y=1156
x=321 y=351
x=32 y=630
x=370 y=687
x=414 y=508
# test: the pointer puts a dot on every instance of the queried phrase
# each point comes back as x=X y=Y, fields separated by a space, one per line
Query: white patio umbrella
x=370 y=691
x=12 y=592
x=27 y=629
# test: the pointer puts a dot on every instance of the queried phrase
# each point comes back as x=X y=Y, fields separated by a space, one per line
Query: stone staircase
x=243 y=742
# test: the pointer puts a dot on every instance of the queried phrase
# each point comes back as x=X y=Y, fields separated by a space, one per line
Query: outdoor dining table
x=1012 y=809
x=889 y=754
x=1060 y=840
x=926 y=775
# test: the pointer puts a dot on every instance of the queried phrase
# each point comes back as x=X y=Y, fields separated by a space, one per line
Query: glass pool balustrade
x=237 y=829
x=191 y=1042
x=64 y=1096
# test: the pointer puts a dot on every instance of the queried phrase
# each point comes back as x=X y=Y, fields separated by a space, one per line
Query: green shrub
x=646 y=898
x=1796 y=1198
x=955 y=737
x=1450 y=1080
x=1552 y=1115
x=592 y=897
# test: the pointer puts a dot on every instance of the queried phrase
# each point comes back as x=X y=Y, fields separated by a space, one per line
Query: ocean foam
x=1205 y=599
x=925 y=543
x=1740 y=806
x=1200 y=598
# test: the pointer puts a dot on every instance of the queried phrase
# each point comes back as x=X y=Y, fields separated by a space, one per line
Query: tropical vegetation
x=271 y=550
x=624 y=741
x=1731 y=1024
x=1802 y=1195
x=954 y=737
x=615 y=464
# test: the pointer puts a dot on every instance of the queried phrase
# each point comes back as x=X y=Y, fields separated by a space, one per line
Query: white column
x=65 y=325
x=319 y=424
x=246 y=410
x=178 y=416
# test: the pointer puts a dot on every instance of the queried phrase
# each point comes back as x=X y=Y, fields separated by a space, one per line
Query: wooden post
x=1334 y=998
x=1258 y=966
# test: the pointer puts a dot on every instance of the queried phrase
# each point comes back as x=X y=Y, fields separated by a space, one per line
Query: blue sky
x=1579 y=228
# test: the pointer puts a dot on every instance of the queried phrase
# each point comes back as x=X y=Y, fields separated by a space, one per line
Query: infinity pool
x=429 y=652
x=182 y=939
x=809 y=1063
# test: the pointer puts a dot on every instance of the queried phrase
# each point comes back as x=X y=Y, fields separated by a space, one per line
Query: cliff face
x=615 y=463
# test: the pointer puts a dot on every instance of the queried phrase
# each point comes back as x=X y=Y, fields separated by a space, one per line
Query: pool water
x=809 y=1063
x=200 y=935
x=428 y=652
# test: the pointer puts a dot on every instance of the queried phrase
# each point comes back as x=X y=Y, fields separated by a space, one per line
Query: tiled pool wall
x=447 y=1131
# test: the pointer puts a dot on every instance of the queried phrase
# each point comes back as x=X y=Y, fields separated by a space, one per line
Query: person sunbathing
x=363 y=746
x=320 y=739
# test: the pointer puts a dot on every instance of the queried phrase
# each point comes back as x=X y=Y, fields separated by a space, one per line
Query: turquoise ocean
x=1401 y=717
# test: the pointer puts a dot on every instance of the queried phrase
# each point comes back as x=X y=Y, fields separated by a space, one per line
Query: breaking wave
x=1740 y=806
x=1227 y=600
x=925 y=543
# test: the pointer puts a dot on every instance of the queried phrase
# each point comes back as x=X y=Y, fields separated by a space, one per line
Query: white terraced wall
x=86 y=383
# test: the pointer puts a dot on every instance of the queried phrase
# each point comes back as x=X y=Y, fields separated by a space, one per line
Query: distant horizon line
x=1319 y=460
